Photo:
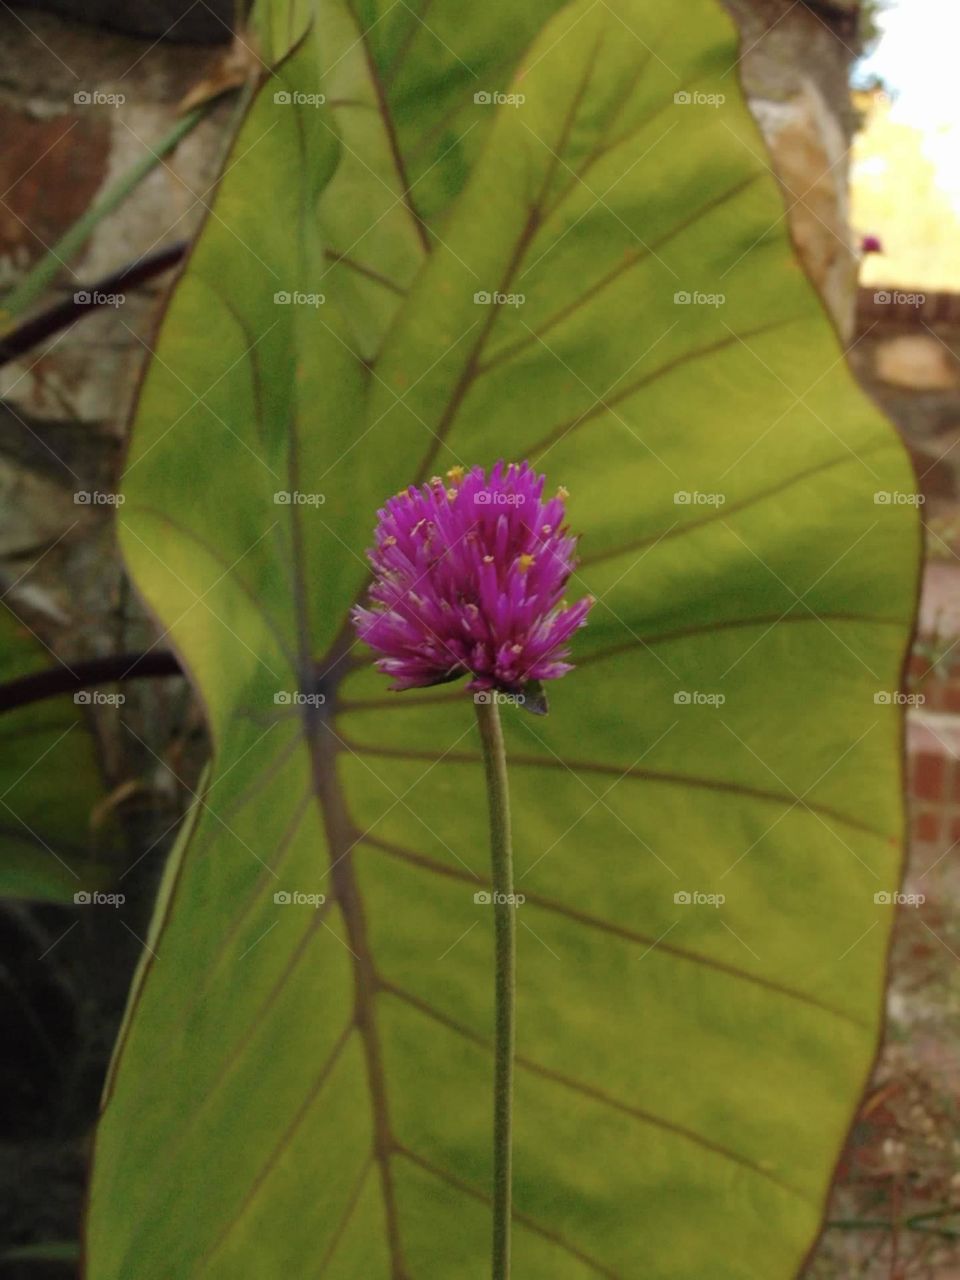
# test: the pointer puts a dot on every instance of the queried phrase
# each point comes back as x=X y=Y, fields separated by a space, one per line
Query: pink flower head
x=469 y=573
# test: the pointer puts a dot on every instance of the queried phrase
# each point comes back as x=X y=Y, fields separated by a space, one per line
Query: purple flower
x=871 y=244
x=469 y=573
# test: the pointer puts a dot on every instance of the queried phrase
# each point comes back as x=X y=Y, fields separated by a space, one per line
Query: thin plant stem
x=505 y=941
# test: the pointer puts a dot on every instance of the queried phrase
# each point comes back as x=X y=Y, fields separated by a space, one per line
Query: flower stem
x=505 y=928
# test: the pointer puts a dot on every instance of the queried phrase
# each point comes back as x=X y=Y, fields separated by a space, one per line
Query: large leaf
x=306 y=1090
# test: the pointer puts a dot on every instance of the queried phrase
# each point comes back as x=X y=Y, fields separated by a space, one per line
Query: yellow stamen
x=456 y=474
x=451 y=494
x=488 y=559
x=563 y=492
x=525 y=562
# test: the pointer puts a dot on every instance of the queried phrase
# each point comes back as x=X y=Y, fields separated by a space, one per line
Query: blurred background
x=115 y=120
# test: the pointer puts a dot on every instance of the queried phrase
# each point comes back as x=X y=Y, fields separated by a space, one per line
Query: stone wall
x=907 y=355
x=795 y=71
x=78 y=109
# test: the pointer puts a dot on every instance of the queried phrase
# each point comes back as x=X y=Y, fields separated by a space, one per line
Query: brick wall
x=933 y=774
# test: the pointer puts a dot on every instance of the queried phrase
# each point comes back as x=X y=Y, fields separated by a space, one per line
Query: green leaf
x=305 y=1089
x=47 y=851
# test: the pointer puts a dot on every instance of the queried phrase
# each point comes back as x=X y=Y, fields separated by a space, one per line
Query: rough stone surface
x=907 y=355
x=46 y=150
x=65 y=404
x=809 y=150
x=795 y=68
x=919 y=361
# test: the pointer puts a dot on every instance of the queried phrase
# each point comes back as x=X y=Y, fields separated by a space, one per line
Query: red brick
x=932 y=691
x=927 y=827
x=929 y=776
x=49 y=181
x=918 y=668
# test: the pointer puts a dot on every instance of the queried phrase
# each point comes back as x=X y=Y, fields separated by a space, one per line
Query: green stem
x=505 y=931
